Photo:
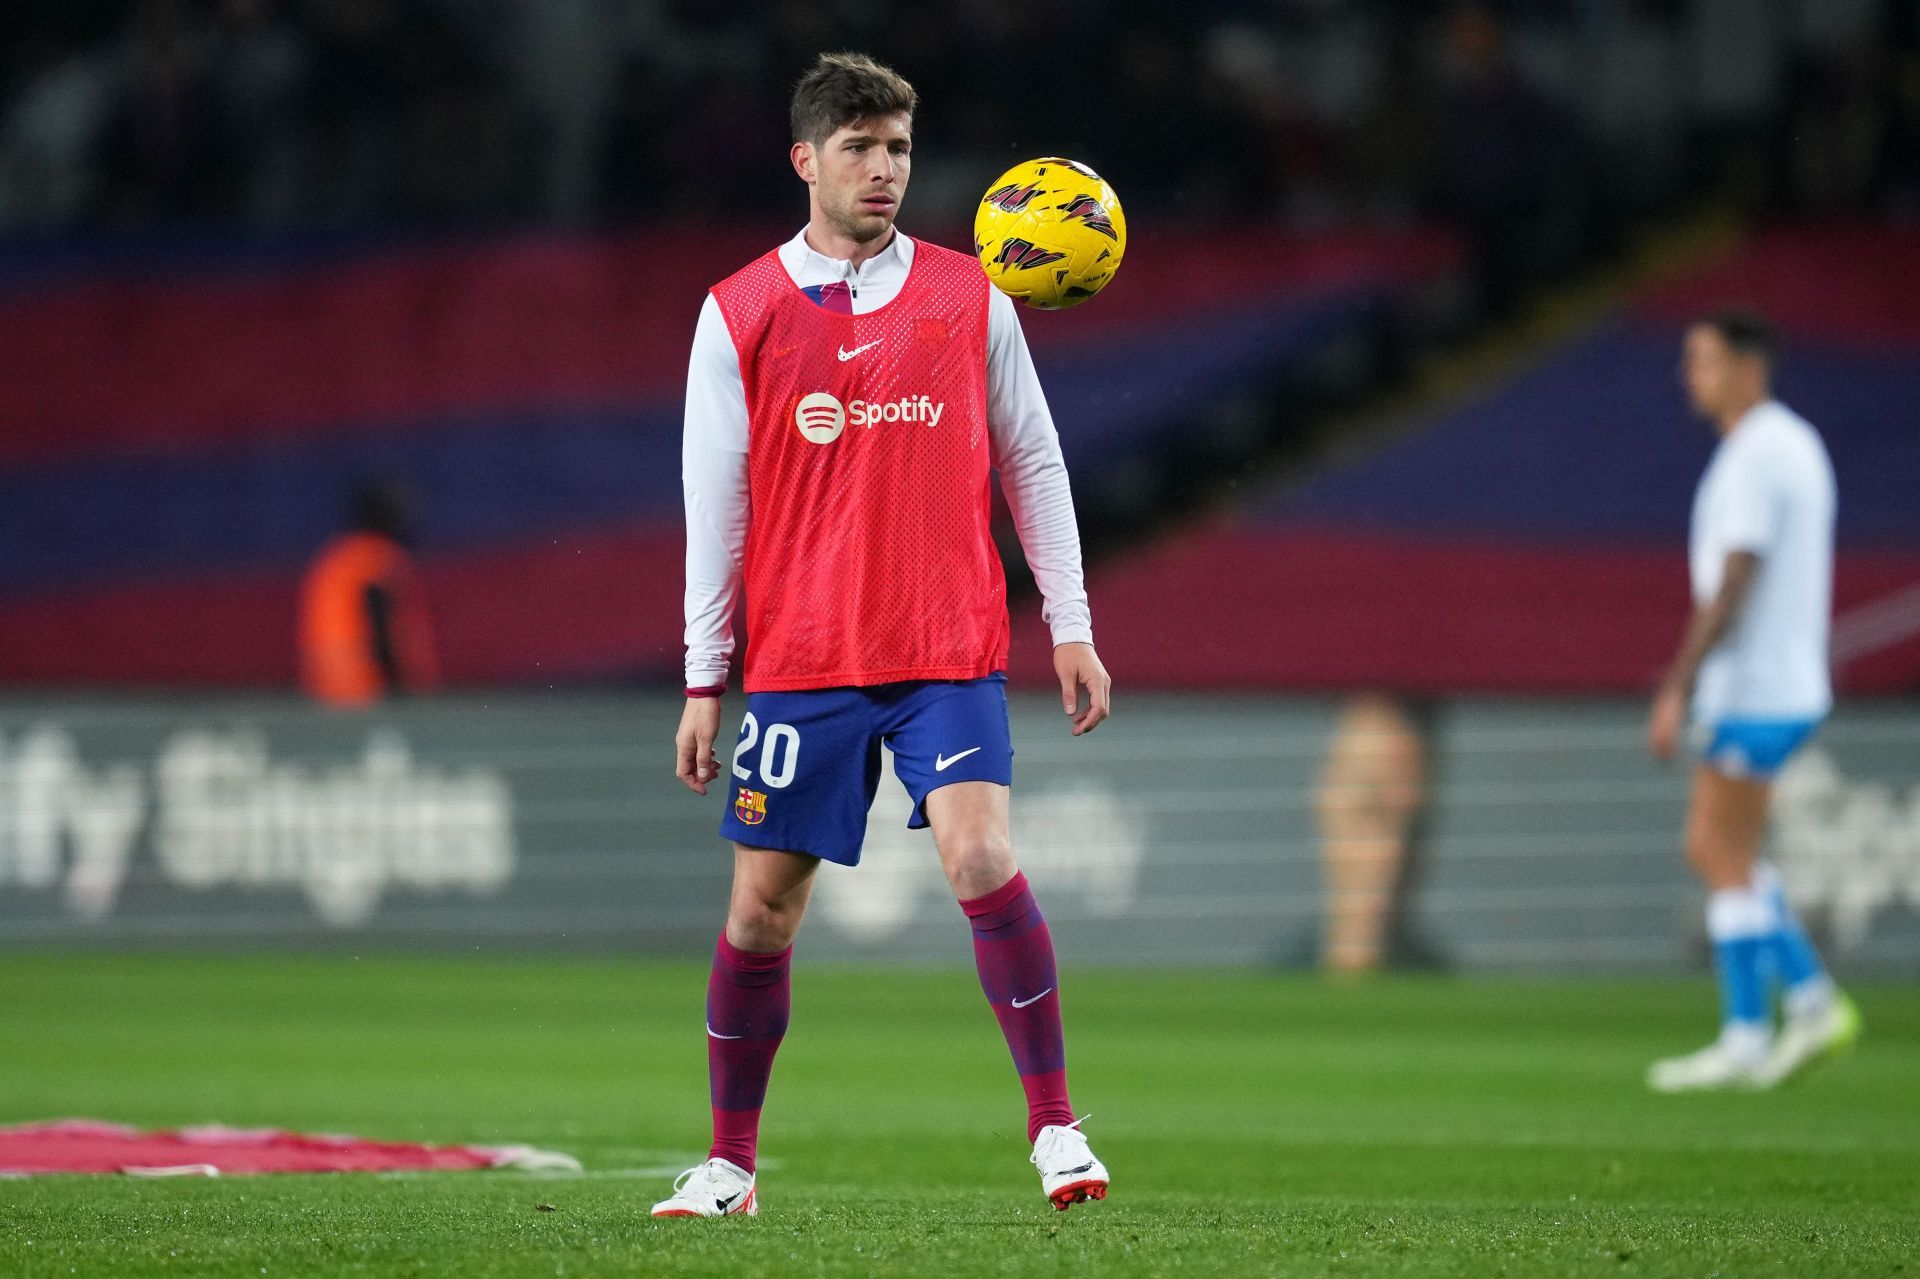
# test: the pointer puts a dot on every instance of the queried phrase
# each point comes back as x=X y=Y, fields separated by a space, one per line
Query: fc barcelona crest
x=751 y=807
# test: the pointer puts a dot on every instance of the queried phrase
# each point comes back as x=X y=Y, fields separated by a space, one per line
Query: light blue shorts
x=1752 y=748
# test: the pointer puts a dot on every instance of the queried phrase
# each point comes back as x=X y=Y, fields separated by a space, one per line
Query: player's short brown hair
x=843 y=88
x=1745 y=332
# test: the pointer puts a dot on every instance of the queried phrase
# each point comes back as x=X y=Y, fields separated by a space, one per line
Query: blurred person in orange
x=364 y=631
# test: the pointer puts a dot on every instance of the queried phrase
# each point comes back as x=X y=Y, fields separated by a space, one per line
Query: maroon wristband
x=712 y=690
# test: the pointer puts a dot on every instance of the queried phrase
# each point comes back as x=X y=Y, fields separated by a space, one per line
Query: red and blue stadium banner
x=179 y=430
x=1532 y=538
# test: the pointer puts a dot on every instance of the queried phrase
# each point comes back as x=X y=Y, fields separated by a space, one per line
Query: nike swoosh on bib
x=941 y=763
x=846 y=355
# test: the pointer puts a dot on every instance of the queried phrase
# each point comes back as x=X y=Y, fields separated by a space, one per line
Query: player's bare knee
x=761 y=921
x=762 y=926
x=1718 y=861
x=977 y=865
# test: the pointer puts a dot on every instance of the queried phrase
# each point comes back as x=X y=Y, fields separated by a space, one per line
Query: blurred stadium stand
x=1534 y=532
x=175 y=450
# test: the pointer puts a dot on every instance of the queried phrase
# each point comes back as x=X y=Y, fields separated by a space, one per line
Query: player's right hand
x=694 y=761
x=1664 y=723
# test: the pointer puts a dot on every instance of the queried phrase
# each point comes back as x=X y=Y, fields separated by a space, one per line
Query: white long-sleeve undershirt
x=713 y=459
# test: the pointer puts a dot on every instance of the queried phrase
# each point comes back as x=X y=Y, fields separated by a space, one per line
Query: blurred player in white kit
x=1753 y=665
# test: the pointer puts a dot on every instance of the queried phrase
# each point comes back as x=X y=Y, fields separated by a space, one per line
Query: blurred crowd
x=258 y=111
x=1506 y=118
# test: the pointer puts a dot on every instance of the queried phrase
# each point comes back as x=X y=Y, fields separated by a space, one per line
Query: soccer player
x=848 y=394
x=1754 y=659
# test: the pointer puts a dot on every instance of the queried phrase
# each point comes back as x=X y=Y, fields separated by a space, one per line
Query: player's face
x=1715 y=374
x=859 y=175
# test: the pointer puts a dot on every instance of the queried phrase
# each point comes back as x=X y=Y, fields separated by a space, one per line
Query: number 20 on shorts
x=779 y=753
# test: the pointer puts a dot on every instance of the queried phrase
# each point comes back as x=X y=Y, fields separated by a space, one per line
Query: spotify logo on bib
x=820 y=417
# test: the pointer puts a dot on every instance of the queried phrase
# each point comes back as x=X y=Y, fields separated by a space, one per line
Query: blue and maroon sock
x=1014 y=952
x=749 y=998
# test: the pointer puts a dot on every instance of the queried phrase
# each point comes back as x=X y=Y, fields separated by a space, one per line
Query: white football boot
x=1732 y=1061
x=1069 y=1174
x=715 y=1188
x=1810 y=1037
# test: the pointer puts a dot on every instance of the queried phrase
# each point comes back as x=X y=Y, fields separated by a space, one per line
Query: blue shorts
x=808 y=763
x=1752 y=748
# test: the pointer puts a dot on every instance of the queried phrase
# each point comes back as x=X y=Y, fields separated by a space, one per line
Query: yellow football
x=1050 y=233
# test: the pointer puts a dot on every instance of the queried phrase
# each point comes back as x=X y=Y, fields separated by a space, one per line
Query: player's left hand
x=1663 y=725
x=694 y=761
x=1078 y=667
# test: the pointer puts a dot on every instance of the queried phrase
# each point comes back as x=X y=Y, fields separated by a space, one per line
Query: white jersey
x=1026 y=452
x=1768 y=490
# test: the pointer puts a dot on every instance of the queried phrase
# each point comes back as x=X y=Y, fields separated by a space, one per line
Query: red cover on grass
x=210 y=1150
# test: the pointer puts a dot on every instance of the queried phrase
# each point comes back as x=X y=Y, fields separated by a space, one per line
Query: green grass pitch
x=1255 y=1125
